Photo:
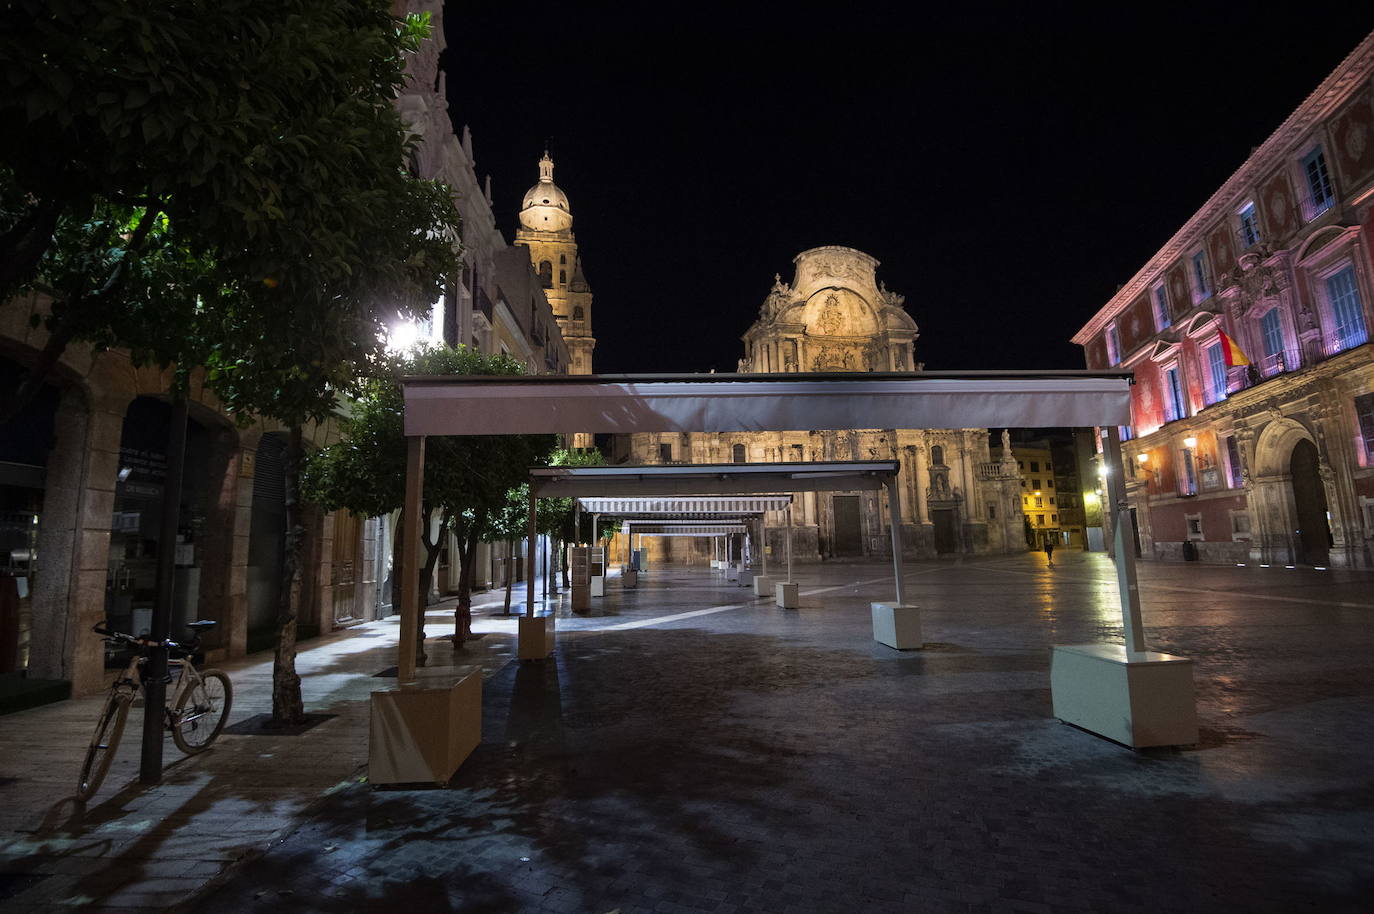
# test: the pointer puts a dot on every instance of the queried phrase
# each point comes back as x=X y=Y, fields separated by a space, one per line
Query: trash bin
x=1189 y=551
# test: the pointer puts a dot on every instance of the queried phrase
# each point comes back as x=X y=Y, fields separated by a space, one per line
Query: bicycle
x=196 y=709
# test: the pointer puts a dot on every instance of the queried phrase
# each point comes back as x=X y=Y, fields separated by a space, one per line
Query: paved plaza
x=690 y=748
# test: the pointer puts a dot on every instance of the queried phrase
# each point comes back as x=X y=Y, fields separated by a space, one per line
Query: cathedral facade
x=835 y=316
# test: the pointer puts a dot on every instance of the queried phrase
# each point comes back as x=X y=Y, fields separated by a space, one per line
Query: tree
x=466 y=478
x=220 y=185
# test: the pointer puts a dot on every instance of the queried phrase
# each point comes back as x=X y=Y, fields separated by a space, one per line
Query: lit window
x=1320 y=193
x=1272 y=332
x=1249 y=226
x=1364 y=411
x=1113 y=346
x=1188 y=482
x=1233 y=462
x=1173 y=395
x=1346 y=309
x=1161 y=300
x=1216 y=374
x=1202 y=289
x=1039 y=502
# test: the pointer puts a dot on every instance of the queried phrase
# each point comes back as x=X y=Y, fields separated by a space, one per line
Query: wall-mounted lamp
x=1190 y=442
x=1143 y=458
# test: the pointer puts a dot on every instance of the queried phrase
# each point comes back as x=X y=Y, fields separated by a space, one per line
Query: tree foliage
x=467 y=478
x=219 y=184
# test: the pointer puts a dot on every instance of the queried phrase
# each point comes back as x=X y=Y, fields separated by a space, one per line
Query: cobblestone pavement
x=697 y=750
x=136 y=848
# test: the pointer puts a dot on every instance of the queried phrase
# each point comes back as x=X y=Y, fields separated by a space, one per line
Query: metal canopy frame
x=752 y=403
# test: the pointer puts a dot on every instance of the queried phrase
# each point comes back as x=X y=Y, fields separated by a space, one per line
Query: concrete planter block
x=785 y=593
x=536 y=637
x=763 y=585
x=598 y=586
x=421 y=734
x=1136 y=699
x=897 y=625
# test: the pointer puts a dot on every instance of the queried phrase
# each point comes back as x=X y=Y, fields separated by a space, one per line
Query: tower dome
x=545 y=208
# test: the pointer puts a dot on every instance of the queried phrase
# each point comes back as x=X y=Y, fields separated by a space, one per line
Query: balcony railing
x=1280 y=362
x=1340 y=341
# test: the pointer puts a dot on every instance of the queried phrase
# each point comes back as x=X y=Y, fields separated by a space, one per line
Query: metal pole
x=789 y=544
x=763 y=540
x=1124 y=540
x=529 y=556
x=577 y=521
x=155 y=686
x=410 y=557
x=895 y=521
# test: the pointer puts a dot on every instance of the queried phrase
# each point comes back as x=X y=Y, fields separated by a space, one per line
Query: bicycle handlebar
x=100 y=629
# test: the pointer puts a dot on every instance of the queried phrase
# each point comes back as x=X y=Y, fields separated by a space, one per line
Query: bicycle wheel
x=201 y=712
x=104 y=744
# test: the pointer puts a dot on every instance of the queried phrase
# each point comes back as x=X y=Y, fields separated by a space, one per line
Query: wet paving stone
x=756 y=759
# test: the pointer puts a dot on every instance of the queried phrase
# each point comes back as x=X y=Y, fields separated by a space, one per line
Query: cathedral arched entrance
x=1312 y=536
x=946 y=530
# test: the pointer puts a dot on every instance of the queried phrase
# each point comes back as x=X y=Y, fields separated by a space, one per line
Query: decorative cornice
x=1319 y=105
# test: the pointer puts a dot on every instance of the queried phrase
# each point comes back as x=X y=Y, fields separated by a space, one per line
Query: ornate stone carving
x=832 y=321
x=889 y=298
x=1257 y=281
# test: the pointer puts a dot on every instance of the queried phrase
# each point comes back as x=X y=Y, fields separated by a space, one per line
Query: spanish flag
x=1231 y=352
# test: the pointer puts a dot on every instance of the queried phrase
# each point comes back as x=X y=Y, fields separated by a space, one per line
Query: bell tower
x=546 y=233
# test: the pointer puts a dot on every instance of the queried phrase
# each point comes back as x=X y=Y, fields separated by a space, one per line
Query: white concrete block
x=897 y=625
x=785 y=593
x=763 y=585
x=1136 y=699
x=598 y=586
x=536 y=637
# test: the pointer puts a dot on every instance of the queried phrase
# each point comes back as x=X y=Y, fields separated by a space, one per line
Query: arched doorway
x=1312 y=533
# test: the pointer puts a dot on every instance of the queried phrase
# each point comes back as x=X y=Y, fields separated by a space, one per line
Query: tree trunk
x=287 y=707
x=510 y=575
x=467 y=558
x=432 y=550
x=563 y=563
x=23 y=245
x=397 y=544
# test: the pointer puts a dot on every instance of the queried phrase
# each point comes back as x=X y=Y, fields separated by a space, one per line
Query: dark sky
x=1009 y=165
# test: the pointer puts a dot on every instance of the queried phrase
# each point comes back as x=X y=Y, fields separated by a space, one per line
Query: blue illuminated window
x=1216 y=373
x=1161 y=297
x=1346 y=309
x=1173 y=395
x=1273 y=333
x=1249 y=225
x=1320 y=194
x=1201 y=288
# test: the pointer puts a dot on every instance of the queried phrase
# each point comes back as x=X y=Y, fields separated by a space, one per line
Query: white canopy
x=685 y=506
x=711 y=478
x=751 y=403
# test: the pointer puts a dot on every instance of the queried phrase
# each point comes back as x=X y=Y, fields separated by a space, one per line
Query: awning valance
x=752 y=403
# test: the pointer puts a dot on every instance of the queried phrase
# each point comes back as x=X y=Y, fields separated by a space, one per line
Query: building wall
x=1279 y=261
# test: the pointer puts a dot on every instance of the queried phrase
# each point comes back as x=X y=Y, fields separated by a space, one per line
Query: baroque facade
x=1271 y=461
x=835 y=316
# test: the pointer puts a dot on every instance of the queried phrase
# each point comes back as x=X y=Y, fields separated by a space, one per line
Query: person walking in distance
x=1049 y=550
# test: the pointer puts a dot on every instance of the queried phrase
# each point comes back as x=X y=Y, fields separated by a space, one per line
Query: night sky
x=1010 y=166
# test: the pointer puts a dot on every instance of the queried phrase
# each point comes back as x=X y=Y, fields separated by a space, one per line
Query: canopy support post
x=789 y=544
x=529 y=556
x=763 y=541
x=895 y=522
x=410 y=557
x=1124 y=540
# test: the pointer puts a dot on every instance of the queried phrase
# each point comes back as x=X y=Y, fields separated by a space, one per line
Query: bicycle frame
x=182 y=672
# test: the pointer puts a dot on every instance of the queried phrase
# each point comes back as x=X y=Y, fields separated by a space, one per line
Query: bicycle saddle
x=202 y=624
